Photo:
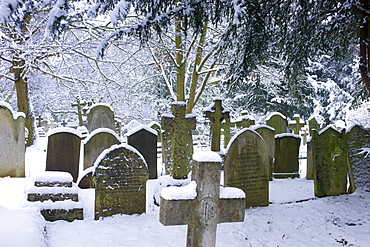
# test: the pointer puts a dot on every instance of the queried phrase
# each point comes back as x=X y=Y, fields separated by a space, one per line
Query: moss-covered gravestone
x=63 y=153
x=286 y=155
x=332 y=169
x=277 y=121
x=12 y=142
x=296 y=124
x=247 y=167
x=100 y=116
x=178 y=140
x=313 y=124
x=310 y=174
x=120 y=182
x=245 y=120
x=358 y=141
x=157 y=127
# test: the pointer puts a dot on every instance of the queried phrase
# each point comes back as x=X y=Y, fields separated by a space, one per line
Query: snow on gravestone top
x=15 y=114
x=287 y=135
x=138 y=128
x=99 y=104
x=100 y=130
x=256 y=127
x=207 y=156
x=63 y=130
x=274 y=114
x=54 y=176
x=187 y=192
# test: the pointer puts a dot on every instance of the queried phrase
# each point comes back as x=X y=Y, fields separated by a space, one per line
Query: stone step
x=53 y=179
x=52 y=193
x=63 y=210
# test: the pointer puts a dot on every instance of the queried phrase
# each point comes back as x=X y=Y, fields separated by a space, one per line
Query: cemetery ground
x=293 y=218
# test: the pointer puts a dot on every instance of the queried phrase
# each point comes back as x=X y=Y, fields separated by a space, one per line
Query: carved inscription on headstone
x=247 y=167
x=120 y=182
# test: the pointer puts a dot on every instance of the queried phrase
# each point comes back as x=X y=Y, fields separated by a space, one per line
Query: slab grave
x=330 y=157
x=277 y=121
x=12 y=142
x=216 y=114
x=178 y=140
x=144 y=140
x=202 y=204
x=120 y=182
x=63 y=151
x=246 y=166
x=286 y=156
x=358 y=141
x=100 y=116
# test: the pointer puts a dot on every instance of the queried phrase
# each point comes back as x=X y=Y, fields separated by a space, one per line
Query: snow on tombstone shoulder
x=15 y=114
x=187 y=192
x=64 y=130
x=207 y=156
x=141 y=127
x=231 y=192
x=101 y=130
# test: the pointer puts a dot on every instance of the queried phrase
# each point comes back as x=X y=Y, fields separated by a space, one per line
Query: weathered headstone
x=247 y=167
x=332 y=169
x=63 y=152
x=268 y=134
x=286 y=155
x=277 y=121
x=12 y=142
x=296 y=124
x=144 y=139
x=202 y=204
x=358 y=141
x=178 y=126
x=157 y=127
x=313 y=123
x=96 y=142
x=100 y=116
x=120 y=182
x=245 y=120
x=216 y=113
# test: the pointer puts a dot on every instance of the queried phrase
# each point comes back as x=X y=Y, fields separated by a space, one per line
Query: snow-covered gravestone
x=247 y=167
x=216 y=113
x=100 y=116
x=157 y=127
x=120 y=182
x=63 y=152
x=177 y=140
x=358 y=140
x=202 y=204
x=277 y=121
x=12 y=142
x=144 y=140
x=296 y=124
x=286 y=156
x=330 y=157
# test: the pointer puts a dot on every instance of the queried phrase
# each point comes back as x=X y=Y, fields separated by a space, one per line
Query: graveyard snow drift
x=293 y=218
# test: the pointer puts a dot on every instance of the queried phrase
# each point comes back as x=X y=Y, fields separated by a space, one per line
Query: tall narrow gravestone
x=178 y=140
x=144 y=140
x=63 y=152
x=286 y=155
x=12 y=142
x=120 y=182
x=358 y=141
x=202 y=204
x=247 y=167
x=100 y=116
x=277 y=121
x=330 y=156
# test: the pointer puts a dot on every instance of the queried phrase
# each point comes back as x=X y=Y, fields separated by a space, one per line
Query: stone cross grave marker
x=330 y=157
x=202 y=204
x=296 y=124
x=286 y=156
x=277 y=121
x=120 y=182
x=79 y=106
x=358 y=141
x=100 y=116
x=63 y=151
x=178 y=125
x=39 y=119
x=247 y=167
x=12 y=142
x=313 y=124
x=216 y=113
x=64 y=123
x=144 y=139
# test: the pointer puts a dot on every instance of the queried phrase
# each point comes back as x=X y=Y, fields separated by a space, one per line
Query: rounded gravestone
x=100 y=116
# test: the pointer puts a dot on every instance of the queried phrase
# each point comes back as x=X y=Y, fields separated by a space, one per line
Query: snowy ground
x=332 y=221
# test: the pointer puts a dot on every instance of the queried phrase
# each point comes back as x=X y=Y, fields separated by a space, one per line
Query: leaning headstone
x=120 y=182
x=332 y=170
x=178 y=126
x=358 y=141
x=96 y=142
x=286 y=155
x=144 y=139
x=202 y=204
x=63 y=152
x=12 y=142
x=277 y=121
x=100 y=116
x=268 y=134
x=247 y=167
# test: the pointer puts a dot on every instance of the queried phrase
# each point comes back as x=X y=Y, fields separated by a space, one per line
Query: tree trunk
x=364 y=64
x=21 y=87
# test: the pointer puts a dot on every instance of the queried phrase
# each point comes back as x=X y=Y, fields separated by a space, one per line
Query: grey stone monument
x=100 y=116
x=277 y=121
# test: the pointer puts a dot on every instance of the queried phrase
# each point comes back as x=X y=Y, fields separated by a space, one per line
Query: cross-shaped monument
x=179 y=126
x=64 y=123
x=297 y=125
x=216 y=114
x=204 y=203
x=39 y=119
x=79 y=106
